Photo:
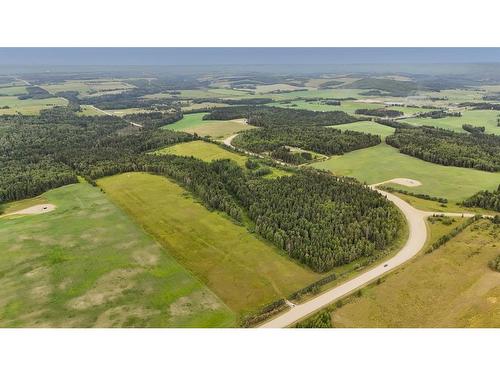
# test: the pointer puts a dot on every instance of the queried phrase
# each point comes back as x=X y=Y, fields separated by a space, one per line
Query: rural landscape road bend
x=415 y=243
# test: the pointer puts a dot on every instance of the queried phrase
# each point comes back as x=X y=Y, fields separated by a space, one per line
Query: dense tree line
x=439 y=114
x=321 y=220
x=38 y=153
x=324 y=140
x=379 y=112
x=242 y=101
x=273 y=116
x=154 y=119
x=485 y=199
x=35 y=92
x=479 y=151
x=473 y=129
x=285 y=154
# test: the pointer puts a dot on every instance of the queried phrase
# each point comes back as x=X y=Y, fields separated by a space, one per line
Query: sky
x=244 y=56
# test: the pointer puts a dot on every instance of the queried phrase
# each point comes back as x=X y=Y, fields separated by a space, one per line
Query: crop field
x=87 y=87
x=486 y=118
x=203 y=94
x=193 y=123
x=468 y=294
x=242 y=270
x=370 y=127
x=87 y=264
x=13 y=90
x=383 y=162
x=27 y=106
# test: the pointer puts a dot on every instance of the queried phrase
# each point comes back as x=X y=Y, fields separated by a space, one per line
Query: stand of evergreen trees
x=485 y=199
x=479 y=151
x=379 y=112
x=319 y=139
x=274 y=116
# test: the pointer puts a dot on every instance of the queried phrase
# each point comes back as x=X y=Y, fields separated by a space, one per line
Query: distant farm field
x=451 y=287
x=194 y=123
x=370 y=127
x=87 y=264
x=27 y=106
x=242 y=270
x=383 y=162
x=486 y=118
x=88 y=87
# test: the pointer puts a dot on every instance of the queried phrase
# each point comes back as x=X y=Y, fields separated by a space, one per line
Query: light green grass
x=13 y=90
x=383 y=162
x=209 y=152
x=485 y=118
x=370 y=127
x=451 y=287
x=242 y=270
x=193 y=123
x=28 y=106
x=203 y=150
x=88 y=264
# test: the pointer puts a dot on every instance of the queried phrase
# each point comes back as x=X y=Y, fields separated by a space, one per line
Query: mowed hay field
x=203 y=150
x=485 y=118
x=193 y=123
x=208 y=152
x=370 y=127
x=242 y=270
x=451 y=287
x=87 y=264
x=383 y=162
x=28 y=106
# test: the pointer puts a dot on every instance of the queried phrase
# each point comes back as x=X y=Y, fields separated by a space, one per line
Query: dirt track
x=33 y=210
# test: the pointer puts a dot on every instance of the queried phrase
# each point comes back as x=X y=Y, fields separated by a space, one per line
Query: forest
x=379 y=112
x=478 y=150
x=489 y=200
x=273 y=116
x=319 y=139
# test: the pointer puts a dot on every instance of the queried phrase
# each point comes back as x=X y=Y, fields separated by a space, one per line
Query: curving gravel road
x=415 y=243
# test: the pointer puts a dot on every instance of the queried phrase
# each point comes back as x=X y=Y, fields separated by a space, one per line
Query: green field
x=242 y=270
x=451 y=287
x=13 y=90
x=87 y=264
x=203 y=150
x=383 y=162
x=193 y=123
x=485 y=118
x=209 y=152
x=370 y=127
x=28 y=106
x=346 y=106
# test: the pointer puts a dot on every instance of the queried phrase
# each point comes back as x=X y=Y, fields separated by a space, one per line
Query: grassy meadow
x=193 y=123
x=27 y=106
x=87 y=264
x=244 y=271
x=451 y=287
x=486 y=118
x=383 y=162
x=370 y=127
